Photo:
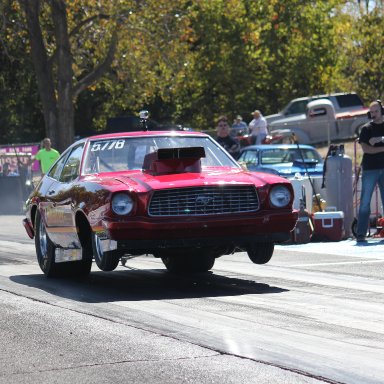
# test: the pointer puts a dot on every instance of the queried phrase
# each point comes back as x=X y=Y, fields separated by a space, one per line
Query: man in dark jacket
x=224 y=138
x=372 y=142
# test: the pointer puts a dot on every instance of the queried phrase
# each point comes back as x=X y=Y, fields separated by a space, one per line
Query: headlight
x=122 y=204
x=279 y=196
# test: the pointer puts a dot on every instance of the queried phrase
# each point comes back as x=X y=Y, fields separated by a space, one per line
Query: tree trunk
x=42 y=68
x=58 y=94
x=65 y=103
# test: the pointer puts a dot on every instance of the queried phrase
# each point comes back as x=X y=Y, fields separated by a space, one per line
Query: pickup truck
x=342 y=102
x=321 y=123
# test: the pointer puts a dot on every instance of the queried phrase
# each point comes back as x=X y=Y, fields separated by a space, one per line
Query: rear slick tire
x=45 y=250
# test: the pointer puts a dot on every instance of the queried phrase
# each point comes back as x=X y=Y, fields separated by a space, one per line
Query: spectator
x=7 y=171
x=224 y=138
x=47 y=156
x=239 y=126
x=372 y=143
x=258 y=127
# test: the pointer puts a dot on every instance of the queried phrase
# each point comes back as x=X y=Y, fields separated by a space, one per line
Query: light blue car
x=285 y=160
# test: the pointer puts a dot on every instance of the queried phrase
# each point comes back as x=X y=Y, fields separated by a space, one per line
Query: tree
x=53 y=61
x=185 y=61
x=20 y=117
x=151 y=63
x=256 y=54
x=364 y=58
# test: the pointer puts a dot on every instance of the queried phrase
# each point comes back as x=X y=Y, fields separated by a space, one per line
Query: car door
x=60 y=202
x=321 y=123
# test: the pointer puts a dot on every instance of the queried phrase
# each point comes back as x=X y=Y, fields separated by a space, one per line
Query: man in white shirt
x=258 y=127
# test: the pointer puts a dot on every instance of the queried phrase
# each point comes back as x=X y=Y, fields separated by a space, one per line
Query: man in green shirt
x=47 y=155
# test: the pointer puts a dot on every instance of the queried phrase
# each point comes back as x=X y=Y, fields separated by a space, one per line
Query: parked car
x=177 y=195
x=321 y=123
x=286 y=160
x=342 y=102
x=282 y=136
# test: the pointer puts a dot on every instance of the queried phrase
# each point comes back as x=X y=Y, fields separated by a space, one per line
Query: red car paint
x=74 y=197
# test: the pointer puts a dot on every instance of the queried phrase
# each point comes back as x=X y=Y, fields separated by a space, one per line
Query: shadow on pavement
x=149 y=284
x=367 y=243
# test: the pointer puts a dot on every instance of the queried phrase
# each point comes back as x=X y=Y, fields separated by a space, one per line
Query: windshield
x=279 y=156
x=122 y=154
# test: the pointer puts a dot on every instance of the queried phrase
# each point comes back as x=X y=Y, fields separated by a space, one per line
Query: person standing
x=224 y=138
x=258 y=127
x=47 y=156
x=371 y=140
x=239 y=126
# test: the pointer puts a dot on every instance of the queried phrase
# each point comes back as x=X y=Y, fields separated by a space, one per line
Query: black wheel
x=190 y=263
x=82 y=267
x=203 y=263
x=45 y=250
x=260 y=253
x=106 y=261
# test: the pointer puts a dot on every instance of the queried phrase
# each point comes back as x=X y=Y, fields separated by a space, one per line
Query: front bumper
x=223 y=242
x=201 y=231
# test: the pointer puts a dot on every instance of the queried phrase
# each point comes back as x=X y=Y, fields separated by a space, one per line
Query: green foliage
x=365 y=57
x=20 y=117
x=189 y=61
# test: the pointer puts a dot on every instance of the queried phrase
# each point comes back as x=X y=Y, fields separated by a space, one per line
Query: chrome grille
x=204 y=201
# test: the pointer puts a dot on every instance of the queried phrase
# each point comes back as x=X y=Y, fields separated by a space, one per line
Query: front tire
x=106 y=261
x=260 y=253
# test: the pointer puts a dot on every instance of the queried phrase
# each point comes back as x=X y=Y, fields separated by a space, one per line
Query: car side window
x=316 y=112
x=71 y=169
x=297 y=107
x=56 y=169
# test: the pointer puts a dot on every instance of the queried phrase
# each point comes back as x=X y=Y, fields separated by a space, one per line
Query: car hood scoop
x=166 y=161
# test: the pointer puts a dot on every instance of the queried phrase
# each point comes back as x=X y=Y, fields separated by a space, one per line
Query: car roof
x=279 y=146
x=325 y=96
x=146 y=133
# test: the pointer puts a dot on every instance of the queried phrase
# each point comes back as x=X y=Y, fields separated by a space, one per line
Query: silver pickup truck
x=342 y=102
x=321 y=123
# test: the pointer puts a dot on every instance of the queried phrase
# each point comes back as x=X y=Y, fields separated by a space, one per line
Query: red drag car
x=176 y=195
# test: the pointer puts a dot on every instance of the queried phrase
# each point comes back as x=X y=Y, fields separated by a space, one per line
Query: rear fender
x=28 y=227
